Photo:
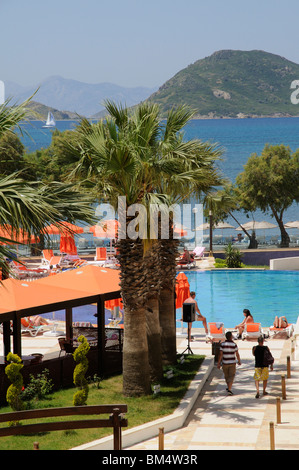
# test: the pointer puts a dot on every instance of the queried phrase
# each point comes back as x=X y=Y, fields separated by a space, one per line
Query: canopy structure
x=77 y=287
x=253 y=225
x=294 y=224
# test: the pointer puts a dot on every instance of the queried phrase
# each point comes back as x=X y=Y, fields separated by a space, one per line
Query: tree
x=270 y=182
x=11 y=153
x=30 y=206
x=146 y=161
x=223 y=203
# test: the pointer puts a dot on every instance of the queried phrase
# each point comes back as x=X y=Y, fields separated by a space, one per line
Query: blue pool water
x=222 y=295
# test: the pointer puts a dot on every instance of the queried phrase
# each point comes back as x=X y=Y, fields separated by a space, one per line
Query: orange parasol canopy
x=90 y=279
x=182 y=289
x=21 y=236
x=67 y=245
x=69 y=228
x=105 y=229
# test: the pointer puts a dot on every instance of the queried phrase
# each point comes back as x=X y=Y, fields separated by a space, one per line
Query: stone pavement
x=239 y=422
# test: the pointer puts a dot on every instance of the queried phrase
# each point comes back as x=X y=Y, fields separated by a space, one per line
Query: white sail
x=50 y=121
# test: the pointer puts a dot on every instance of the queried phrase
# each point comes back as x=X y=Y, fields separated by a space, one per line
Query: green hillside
x=233 y=83
x=40 y=112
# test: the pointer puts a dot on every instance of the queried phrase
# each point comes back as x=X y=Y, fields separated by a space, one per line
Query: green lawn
x=140 y=409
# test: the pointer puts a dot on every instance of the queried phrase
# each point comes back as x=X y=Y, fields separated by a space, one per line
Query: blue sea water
x=223 y=295
x=238 y=138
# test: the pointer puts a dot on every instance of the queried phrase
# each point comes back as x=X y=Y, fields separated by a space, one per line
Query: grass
x=140 y=409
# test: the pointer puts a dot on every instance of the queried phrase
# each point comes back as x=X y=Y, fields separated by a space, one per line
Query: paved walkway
x=221 y=422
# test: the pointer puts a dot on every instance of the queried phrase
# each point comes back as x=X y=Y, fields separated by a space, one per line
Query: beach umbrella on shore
x=253 y=225
x=294 y=224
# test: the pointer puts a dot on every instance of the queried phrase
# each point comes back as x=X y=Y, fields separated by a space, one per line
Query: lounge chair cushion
x=253 y=327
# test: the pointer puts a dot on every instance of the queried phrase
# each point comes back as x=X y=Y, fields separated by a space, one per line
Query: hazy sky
x=135 y=42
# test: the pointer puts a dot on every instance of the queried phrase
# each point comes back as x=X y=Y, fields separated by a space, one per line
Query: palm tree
x=138 y=157
x=30 y=206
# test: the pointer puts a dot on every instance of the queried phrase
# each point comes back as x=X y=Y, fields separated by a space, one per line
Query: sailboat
x=50 y=121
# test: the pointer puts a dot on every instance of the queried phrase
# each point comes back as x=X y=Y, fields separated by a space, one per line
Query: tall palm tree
x=136 y=156
x=30 y=206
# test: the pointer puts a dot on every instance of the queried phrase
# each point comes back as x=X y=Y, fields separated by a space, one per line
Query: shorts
x=261 y=373
x=229 y=371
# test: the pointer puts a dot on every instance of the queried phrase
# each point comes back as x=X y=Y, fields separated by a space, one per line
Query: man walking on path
x=229 y=355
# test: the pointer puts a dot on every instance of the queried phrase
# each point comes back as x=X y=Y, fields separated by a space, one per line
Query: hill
x=40 y=112
x=82 y=98
x=232 y=83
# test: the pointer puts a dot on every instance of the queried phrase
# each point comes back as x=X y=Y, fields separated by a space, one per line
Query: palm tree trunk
x=136 y=378
x=168 y=254
x=168 y=329
x=151 y=264
x=135 y=354
x=154 y=339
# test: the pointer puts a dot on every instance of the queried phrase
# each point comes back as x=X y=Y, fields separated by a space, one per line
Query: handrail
x=115 y=420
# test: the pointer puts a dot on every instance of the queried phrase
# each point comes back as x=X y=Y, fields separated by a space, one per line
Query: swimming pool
x=223 y=294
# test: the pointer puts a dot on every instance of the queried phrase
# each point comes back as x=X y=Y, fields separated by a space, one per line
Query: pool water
x=222 y=295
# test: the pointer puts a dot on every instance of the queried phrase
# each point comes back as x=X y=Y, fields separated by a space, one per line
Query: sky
x=135 y=42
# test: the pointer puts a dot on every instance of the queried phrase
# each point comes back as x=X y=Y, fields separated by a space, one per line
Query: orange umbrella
x=21 y=236
x=182 y=289
x=67 y=245
x=179 y=230
x=105 y=229
x=69 y=228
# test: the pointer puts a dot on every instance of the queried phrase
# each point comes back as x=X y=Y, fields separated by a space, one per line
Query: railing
x=115 y=420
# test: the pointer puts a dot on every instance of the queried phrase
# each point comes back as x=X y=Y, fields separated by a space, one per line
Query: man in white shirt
x=229 y=355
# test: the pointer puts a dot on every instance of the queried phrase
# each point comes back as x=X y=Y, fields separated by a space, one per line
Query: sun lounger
x=47 y=255
x=199 y=252
x=31 y=329
x=252 y=331
x=286 y=331
x=216 y=332
x=21 y=271
x=101 y=254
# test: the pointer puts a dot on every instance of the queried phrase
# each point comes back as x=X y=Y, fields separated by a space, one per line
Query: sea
x=237 y=138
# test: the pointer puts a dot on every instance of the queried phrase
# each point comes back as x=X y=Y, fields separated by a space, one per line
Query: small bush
x=233 y=257
x=38 y=387
x=13 y=394
x=80 y=397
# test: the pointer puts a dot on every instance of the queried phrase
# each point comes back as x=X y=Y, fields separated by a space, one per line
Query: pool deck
x=217 y=421
x=239 y=422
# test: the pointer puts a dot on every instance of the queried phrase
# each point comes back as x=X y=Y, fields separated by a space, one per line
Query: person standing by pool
x=199 y=316
x=261 y=372
x=229 y=356
x=248 y=319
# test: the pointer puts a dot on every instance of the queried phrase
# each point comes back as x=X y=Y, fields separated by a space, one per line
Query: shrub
x=12 y=370
x=38 y=387
x=80 y=397
x=233 y=257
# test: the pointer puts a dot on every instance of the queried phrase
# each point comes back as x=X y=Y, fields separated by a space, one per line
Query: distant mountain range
x=233 y=83
x=72 y=96
x=227 y=84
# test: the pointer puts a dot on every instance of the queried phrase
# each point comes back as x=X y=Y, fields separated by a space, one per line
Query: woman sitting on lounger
x=280 y=322
x=248 y=319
